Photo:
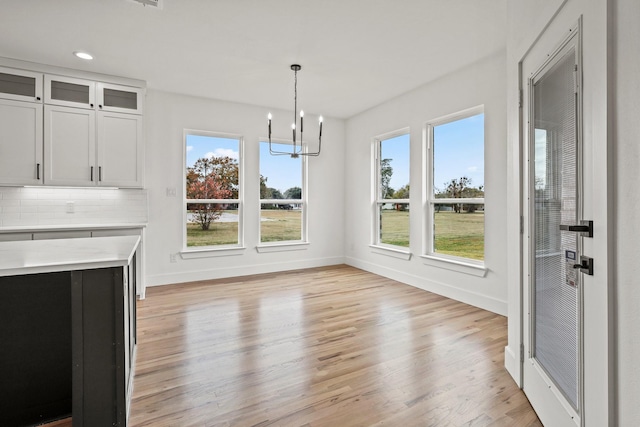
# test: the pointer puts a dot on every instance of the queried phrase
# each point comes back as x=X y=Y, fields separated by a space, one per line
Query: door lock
x=586 y=265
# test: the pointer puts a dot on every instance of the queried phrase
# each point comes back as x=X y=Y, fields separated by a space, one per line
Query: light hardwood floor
x=332 y=346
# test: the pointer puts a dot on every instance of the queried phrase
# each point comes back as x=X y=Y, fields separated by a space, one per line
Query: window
x=391 y=205
x=282 y=195
x=213 y=200
x=455 y=189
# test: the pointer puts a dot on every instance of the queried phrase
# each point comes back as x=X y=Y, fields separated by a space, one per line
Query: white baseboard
x=245 y=270
x=511 y=363
x=462 y=295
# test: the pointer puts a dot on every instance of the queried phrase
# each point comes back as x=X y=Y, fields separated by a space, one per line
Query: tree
x=386 y=171
x=461 y=188
x=265 y=193
x=211 y=178
x=293 y=193
x=402 y=193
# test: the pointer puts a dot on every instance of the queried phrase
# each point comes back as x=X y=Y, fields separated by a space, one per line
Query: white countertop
x=46 y=256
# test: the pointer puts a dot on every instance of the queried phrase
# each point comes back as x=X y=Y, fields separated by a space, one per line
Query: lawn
x=279 y=225
x=276 y=225
x=458 y=234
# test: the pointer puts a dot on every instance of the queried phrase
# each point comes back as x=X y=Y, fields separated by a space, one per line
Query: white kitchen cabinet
x=120 y=150
x=21 y=161
x=20 y=85
x=89 y=143
x=119 y=98
x=69 y=141
x=69 y=91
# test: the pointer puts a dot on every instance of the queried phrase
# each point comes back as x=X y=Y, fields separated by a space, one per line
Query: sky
x=397 y=149
x=282 y=172
x=208 y=146
x=459 y=151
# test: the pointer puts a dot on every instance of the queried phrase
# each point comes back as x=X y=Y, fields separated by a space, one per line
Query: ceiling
x=355 y=54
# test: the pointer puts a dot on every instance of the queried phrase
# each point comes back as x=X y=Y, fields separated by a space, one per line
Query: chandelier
x=296 y=150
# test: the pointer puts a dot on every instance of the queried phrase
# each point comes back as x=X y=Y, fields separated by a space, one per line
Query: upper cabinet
x=20 y=85
x=69 y=92
x=69 y=131
x=119 y=99
x=20 y=127
x=80 y=93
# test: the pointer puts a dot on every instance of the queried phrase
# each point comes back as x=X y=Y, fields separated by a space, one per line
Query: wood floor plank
x=332 y=346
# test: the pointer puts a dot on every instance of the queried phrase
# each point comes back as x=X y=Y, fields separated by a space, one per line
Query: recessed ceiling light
x=83 y=55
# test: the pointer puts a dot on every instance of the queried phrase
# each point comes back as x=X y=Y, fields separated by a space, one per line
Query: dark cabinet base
x=35 y=357
x=66 y=345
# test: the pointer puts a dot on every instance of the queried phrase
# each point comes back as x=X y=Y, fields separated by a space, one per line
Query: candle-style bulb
x=320 y=119
x=269 y=116
x=301 y=113
x=293 y=126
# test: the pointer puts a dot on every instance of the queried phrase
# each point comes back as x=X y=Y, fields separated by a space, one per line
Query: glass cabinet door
x=119 y=99
x=69 y=91
x=20 y=85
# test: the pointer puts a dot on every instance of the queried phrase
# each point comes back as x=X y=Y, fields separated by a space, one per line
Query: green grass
x=457 y=234
x=394 y=227
x=219 y=233
x=460 y=234
x=280 y=225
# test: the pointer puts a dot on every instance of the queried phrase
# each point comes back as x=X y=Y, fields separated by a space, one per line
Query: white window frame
x=430 y=257
x=213 y=250
x=285 y=245
x=401 y=252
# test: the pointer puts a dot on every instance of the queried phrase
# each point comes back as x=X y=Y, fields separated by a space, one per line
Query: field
x=458 y=234
x=275 y=226
x=455 y=234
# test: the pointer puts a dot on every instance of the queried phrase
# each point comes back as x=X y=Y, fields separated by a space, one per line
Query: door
x=20 y=143
x=120 y=150
x=554 y=281
x=69 y=146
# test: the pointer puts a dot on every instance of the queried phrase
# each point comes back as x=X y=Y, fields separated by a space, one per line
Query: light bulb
x=320 y=119
x=269 y=116
x=293 y=126
x=301 y=113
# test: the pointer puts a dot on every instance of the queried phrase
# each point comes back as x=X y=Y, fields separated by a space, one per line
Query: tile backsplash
x=30 y=206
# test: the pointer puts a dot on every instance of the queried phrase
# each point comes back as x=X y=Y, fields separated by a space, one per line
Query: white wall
x=482 y=83
x=167 y=115
x=626 y=127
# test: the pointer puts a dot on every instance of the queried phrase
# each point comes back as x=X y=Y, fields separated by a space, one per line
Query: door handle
x=586 y=265
x=585 y=228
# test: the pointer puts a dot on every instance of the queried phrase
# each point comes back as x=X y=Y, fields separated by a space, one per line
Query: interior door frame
x=599 y=380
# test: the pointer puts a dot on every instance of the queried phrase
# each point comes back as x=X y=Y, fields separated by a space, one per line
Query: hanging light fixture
x=295 y=152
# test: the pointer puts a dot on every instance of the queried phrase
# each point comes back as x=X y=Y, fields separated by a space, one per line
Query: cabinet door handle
x=91 y=105
x=100 y=106
x=38 y=171
x=99 y=173
x=92 y=173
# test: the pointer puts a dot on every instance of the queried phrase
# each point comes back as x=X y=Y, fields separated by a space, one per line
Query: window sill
x=392 y=252
x=211 y=252
x=282 y=247
x=477 y=270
